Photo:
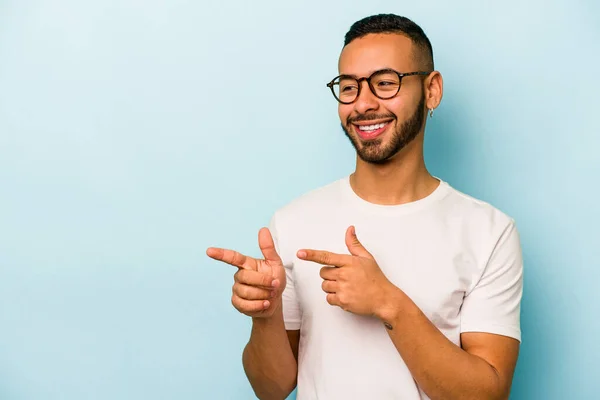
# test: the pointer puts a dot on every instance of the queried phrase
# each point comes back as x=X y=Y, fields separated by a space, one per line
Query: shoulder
x=478 y=227
x=476 y=213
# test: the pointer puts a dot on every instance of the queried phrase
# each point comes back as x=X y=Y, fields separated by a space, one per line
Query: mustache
x=368 y=117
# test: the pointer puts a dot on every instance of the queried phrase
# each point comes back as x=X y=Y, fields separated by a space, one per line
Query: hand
x=353 y=282
x=258 y=284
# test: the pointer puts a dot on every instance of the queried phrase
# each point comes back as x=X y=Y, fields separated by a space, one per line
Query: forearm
x=268 y=359
x=442 y=369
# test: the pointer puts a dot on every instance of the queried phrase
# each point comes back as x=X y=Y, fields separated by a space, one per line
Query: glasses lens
x=345 y=89
x=386 y=84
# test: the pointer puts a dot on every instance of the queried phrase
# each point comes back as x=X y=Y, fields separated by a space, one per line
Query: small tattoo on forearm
x=388 y=325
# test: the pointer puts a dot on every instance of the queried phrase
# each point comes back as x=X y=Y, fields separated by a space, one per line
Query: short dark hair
x=391 y=23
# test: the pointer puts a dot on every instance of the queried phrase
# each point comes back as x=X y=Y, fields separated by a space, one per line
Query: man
x=388 y=283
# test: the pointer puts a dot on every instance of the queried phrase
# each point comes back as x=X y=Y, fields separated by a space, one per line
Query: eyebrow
x=379 y=70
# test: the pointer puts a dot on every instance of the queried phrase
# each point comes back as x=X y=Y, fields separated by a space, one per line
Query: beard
x=373 y=151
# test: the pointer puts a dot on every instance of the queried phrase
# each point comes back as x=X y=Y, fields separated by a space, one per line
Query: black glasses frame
x=401 y=75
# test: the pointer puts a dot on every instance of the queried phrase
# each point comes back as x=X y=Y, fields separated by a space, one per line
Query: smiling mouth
x=367 y=132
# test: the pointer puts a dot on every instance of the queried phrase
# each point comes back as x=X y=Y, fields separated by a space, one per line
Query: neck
x=403 y=179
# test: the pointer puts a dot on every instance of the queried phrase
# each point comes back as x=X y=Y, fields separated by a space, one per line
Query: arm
x=270 y=357
x=481 y=369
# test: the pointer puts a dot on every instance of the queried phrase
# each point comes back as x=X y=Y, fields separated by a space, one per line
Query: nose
x=366 y=100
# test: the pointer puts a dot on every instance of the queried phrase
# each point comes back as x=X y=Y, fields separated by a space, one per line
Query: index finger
x=325 y=257
x=227 y=256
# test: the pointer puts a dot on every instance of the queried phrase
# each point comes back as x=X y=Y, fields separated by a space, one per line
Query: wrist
x=275 y=315
x=392 y=305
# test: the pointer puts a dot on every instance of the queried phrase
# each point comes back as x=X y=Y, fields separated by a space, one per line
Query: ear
x=434 y=90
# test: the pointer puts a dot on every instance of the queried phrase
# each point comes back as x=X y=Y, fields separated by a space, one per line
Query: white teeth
x=371 y=127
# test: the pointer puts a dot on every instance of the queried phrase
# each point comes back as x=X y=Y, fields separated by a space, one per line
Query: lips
x=368 y=130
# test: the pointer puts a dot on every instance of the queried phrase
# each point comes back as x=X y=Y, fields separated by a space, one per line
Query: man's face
x=398 y=120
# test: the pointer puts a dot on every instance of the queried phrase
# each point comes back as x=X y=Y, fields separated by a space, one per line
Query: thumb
x=354 y=245
x=267 y=245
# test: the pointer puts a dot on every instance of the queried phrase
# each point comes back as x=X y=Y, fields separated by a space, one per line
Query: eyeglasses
x=384 y=84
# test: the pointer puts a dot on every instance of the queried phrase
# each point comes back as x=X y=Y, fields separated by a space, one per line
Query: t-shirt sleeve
x=493 y=305
x=292 y=313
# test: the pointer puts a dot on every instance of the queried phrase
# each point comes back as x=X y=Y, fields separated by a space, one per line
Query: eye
x=348 y=88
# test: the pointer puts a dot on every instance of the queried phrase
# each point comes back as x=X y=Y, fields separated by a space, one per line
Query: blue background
x=134 y=134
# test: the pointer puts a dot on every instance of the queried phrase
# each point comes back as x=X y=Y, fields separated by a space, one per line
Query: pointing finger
x=230 y=257
x=325 y=257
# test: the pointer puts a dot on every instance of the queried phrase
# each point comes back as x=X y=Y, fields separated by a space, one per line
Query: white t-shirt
x=459 y=259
